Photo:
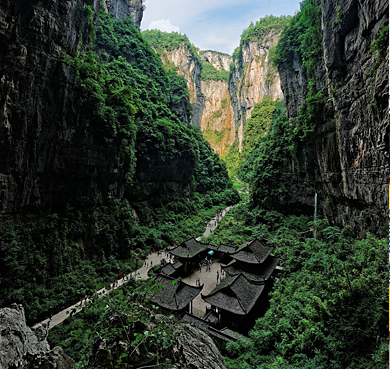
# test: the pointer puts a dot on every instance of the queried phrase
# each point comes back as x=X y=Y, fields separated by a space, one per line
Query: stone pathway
x=213 y=224
x=209 y=279
x=141 y=273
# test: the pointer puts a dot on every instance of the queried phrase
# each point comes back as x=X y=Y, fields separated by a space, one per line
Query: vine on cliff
x=302 y=40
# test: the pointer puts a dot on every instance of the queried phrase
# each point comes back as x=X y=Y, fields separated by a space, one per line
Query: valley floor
x=209 y=279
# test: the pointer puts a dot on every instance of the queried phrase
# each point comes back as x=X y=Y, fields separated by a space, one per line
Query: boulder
x=23 y=347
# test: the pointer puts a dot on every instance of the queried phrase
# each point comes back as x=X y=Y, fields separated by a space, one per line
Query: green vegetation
x=214 y=136
x=232 y=159
x=257 y=125
x=378 y=47
x=163 y=41
x=256 y=33
x=219 y=53
x=121 y=315
x=329 y=310
x=49 y=259
x=265 y=166
x=255 y=130
x=210 y=73
x=301 y=40
x=263 y=27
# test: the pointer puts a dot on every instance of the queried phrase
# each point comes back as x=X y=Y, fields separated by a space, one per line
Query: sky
x=212 y=24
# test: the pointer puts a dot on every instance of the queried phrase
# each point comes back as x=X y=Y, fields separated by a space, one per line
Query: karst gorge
x=134 y=166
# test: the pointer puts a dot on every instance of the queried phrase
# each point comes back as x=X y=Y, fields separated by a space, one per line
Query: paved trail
x=199 y=306
x=213 y=224
x=141 y=273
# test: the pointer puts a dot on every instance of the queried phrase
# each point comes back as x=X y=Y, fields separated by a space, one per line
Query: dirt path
x=199 y=306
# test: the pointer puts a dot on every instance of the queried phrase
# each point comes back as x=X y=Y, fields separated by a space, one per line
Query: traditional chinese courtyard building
x=190 y=252
x=175 y=295
x=237 y=302
x=242 y=296
x=172 y=269
x=223 y=252
x=253 y=260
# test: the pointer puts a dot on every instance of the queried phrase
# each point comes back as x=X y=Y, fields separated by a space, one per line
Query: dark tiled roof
x=200 y=323
x=232 y=334
x=253 y=252
x=254 y=272
x=235 y=294
x=213 y=247
x=211 y=317
x=227 y=249
x=190 y=248
x=174 y=296
x=169 y=268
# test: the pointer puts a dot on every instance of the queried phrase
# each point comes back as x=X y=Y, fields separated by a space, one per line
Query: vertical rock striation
x=254 y=79
x=218 y=60
x=348 y=162
x=217 y=122
x=121 y=9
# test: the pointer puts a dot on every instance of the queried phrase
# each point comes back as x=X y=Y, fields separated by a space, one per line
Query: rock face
x=22 y=347
x=211 y=103
x=348 y=163
x=121 y=9
x=191 y=348
x=217 y=122
x=253 y=80
x=189 y=67
x=218 y=60
x=37 y=88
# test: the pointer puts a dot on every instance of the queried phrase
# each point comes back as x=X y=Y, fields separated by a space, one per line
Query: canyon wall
x=121 y=9
x=188 y=66
x=220 y=107
x=254 y=78
x=218 y=60
x=348 y=162
x=217 y=122
x=212 y=111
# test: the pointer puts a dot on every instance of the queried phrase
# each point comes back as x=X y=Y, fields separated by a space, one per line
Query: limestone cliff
x=189 y=67
x=217 y=122
x=22 y=347
x=348 y=162
x=209 y=96
x=253 y=77
x=121 y=9
x=218 y=60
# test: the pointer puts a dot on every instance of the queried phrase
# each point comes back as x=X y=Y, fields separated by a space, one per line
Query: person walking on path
x=217 y=276
x=200 y=268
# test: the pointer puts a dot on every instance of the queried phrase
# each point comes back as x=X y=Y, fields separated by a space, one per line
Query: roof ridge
x=239 y=300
